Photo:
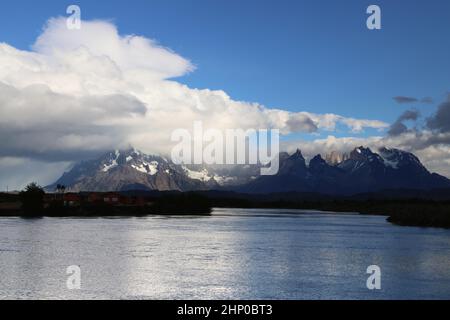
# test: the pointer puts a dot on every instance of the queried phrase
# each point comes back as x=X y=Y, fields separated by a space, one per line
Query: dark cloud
x=403 y=99
x=440 y=121
x=40 y=124
x=436 y=130
x=427 y=100
x=398 y=127
x=409 y=115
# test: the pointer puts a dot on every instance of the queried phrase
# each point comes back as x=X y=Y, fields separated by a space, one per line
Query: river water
x=233 y=254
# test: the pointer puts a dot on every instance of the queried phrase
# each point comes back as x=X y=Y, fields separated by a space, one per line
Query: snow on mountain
x=133 y=158
x=202 y=175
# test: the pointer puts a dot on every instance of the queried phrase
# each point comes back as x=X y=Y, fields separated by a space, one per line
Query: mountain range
x=338 y=174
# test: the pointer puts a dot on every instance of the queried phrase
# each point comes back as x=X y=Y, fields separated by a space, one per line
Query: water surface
x=234 y=254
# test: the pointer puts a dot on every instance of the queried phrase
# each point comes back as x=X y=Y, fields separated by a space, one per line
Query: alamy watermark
x=73 y=22
x=374 y=20
x=374 y=280
x=74 y=280
x=230 y=146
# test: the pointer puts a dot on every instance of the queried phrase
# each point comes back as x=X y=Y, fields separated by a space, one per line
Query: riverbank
x=107 y=211
x=405 y=212
x=179 y=204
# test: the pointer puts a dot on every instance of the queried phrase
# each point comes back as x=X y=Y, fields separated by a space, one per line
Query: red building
x=71 y=199
x=111 y=198
x=95 y=197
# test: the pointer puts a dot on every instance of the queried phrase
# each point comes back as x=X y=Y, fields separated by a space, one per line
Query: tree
x=60 y=188
x=32 y=198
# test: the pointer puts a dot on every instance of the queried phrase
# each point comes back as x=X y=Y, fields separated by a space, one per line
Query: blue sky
x=312 y=56
x=316 y=56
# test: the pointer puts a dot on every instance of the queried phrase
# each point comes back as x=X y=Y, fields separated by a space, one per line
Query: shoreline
x=99 y=212
x=403 y=212
x=430 y=220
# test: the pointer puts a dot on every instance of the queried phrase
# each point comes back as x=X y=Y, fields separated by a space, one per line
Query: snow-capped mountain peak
x=363 y=170
x=396 y=158
x=143 y=163
x=133 y=169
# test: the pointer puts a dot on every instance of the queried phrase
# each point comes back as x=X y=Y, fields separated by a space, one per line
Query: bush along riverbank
x=437 y=215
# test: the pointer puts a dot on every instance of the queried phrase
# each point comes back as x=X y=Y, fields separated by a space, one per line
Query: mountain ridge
x=362 y=170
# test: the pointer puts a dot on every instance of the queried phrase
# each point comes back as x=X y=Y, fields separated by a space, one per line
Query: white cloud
x=329 y=121
x=88 y=90
x=103 y=40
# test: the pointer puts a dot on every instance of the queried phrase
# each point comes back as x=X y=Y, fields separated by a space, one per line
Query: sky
x=310 y=68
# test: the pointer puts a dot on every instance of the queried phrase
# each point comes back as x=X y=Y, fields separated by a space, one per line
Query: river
x=233 y=254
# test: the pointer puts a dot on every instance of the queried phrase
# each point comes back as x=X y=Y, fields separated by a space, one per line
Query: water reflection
x=234 y=254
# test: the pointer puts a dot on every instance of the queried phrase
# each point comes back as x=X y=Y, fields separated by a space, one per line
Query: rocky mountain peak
x=317 y=161
x=361 y=153
x=334 y=157
x=364 y=170
x=396 y=158
x=297 y=155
